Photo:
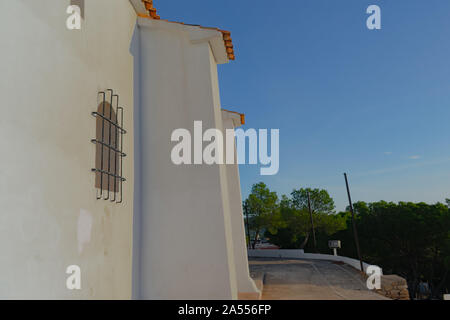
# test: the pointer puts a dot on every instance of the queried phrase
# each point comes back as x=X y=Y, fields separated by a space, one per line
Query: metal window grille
x=109 y=147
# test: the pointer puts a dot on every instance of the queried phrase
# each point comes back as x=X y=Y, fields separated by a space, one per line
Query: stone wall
x=394 y=287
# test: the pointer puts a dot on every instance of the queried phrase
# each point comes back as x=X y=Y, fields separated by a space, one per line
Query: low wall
x=300 y=254
x=394 y=287
x=275 y=253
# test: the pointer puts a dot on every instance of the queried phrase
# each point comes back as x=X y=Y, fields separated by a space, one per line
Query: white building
x=165 y=231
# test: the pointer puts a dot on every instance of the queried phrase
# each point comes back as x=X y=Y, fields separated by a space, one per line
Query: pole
x=312 y=222
x=248 y=230
x=355 y=233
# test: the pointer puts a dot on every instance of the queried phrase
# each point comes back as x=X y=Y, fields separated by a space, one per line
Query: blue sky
x=375 y=104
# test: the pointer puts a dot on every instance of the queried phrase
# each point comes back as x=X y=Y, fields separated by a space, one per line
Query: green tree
x=321 y=202
x=262 y=206
x=408 y=239
x=294 y=229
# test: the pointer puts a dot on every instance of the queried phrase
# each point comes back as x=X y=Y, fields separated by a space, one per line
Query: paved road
x=310 y=280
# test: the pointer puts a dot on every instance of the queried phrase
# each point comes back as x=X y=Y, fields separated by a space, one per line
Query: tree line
x=408 y=239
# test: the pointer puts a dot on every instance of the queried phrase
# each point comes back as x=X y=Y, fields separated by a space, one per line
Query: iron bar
x=109 y=174
x=101 y=153
x=121 y=152
x=109 y=139
x=114 y=147
x=95 y=141
x=96 y=114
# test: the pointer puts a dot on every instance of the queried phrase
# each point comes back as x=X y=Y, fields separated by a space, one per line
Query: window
x=109 y=147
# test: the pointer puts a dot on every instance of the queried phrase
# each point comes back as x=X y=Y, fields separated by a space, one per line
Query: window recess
x=109 y=147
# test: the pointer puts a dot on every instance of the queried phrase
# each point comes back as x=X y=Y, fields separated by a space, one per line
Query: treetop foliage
x=404 y=238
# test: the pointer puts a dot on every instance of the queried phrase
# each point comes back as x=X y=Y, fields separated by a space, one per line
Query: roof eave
x=139 y=6
x=197 y=34
x=237 y=118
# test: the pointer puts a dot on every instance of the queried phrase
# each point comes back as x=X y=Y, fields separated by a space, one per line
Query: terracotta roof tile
x=241 y=115
x=226 y=34
x=151 y=10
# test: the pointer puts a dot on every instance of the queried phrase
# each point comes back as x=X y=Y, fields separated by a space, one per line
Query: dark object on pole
x=248 y=230
x=312 y=222
x=355 y=233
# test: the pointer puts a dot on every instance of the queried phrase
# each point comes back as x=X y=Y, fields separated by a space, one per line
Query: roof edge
x=237 y=118
x=138 y=6
x=145 y=9
x=196 y=34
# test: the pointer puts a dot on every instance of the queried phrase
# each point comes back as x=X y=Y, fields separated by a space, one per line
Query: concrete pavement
x=292 y=279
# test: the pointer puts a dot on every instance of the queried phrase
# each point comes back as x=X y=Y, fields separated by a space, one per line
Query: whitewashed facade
x=178 y=234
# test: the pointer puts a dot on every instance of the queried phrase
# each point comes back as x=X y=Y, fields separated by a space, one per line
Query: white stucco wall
x=49 y=79
x=244 y=283
x=186 y=249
